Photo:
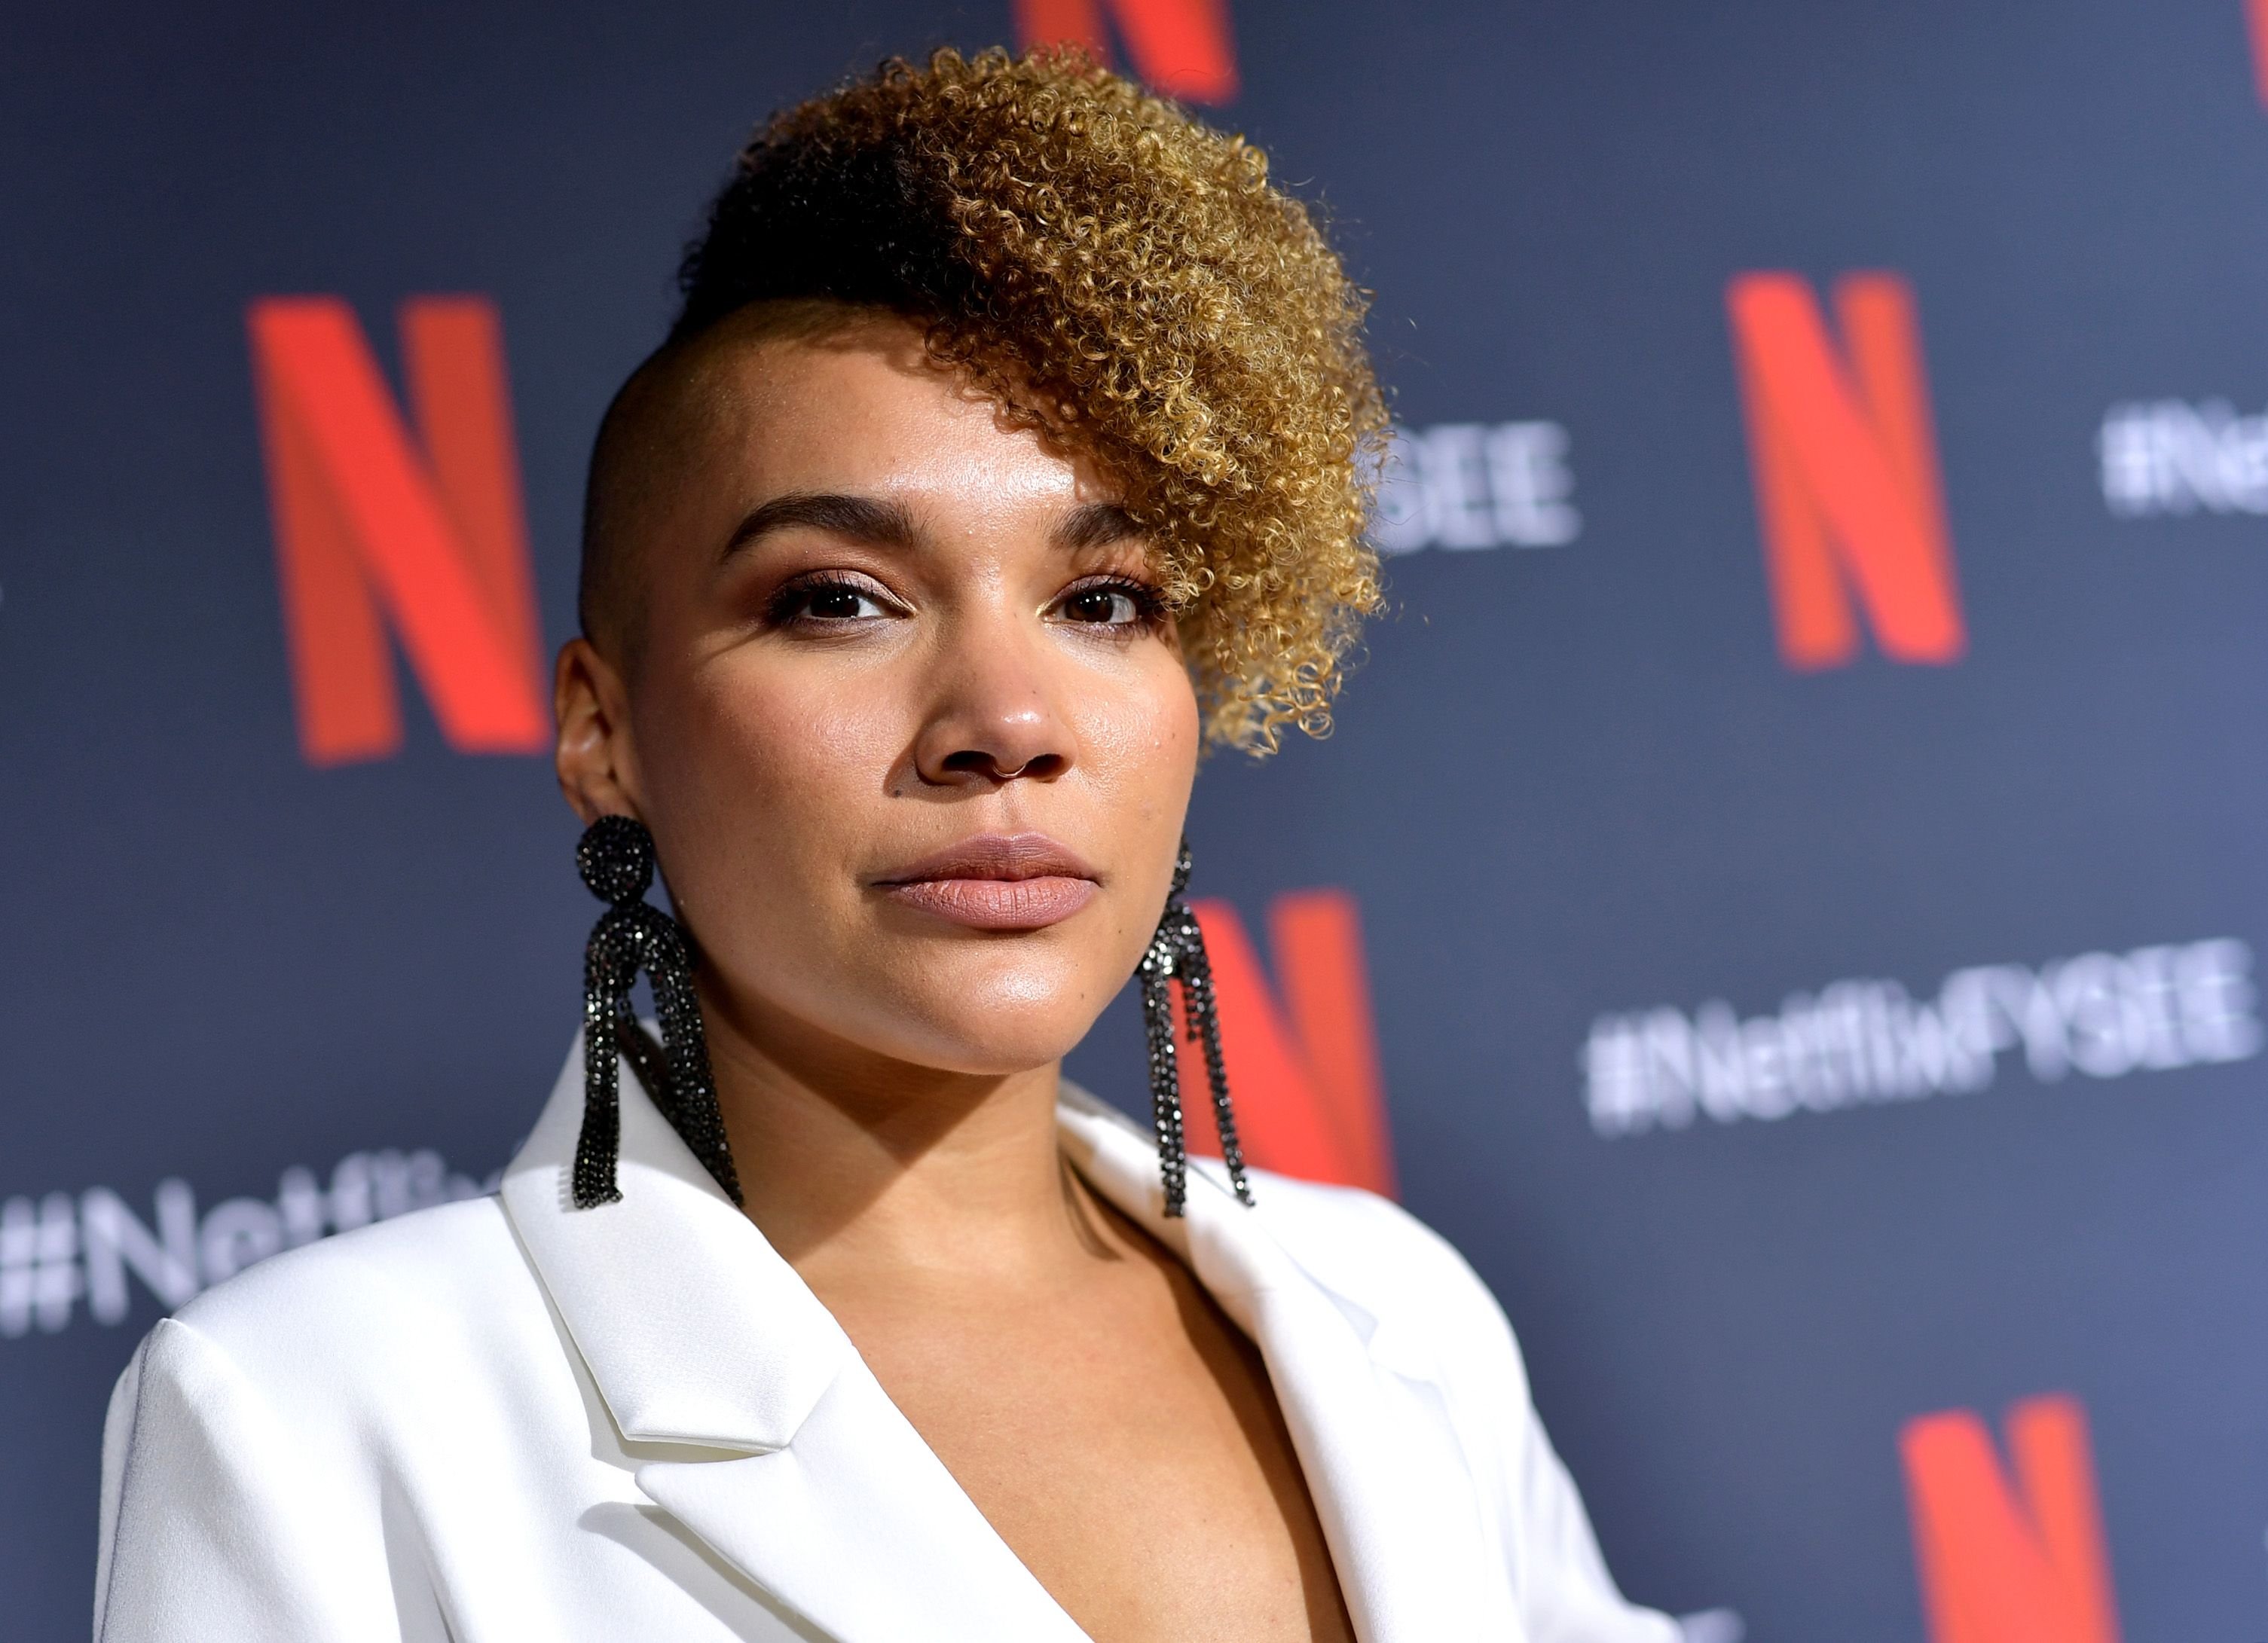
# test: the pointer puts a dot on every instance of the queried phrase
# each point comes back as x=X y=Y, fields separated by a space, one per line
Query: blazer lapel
x=695 y=1332
x=694 y=1329
x=1399 y=1508
x=857 y=1526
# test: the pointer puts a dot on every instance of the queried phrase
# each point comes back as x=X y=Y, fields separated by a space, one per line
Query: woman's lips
x=997 y=904
x=996 y=882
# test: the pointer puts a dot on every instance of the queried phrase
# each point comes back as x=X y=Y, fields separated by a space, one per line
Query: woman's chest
x=1129 y=1450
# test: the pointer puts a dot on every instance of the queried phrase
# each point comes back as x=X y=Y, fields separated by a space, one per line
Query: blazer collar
x=696 y=1331
x=693 y=1327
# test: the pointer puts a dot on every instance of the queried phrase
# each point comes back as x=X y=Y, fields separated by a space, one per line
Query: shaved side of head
x=650 y=436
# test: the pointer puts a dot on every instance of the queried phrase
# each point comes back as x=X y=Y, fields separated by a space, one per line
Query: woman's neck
x=862 y=1171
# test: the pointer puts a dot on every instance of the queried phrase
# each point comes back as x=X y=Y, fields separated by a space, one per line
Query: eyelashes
x=1118 y=602
x=828 y=599
x=836 y=602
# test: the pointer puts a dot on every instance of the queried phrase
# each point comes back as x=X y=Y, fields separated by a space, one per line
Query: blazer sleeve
x=220 y=1521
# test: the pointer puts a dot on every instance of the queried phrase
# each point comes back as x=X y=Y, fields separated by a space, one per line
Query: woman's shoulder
x=412 y=1264
x=367 y=1315
x=260 y=1440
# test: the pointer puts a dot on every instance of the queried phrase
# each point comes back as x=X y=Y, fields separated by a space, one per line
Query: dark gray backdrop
x=1567 y=782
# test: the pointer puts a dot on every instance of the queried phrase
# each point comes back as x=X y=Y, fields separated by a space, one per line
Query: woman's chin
x=1012 y=1026
x=998 y=1043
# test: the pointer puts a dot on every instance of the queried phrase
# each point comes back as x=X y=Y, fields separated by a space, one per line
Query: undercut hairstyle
x=1121 y=276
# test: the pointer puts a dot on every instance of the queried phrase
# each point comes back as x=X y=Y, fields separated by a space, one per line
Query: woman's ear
x=597 y=769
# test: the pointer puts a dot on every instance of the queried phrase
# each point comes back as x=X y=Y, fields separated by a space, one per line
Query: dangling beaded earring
x=1177 y=954
x=615 y=858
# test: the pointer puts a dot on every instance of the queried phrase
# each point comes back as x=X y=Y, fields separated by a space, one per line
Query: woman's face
x=907 y=718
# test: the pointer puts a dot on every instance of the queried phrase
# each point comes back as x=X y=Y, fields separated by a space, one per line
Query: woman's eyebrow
x=861 y=518
x=1094 y=524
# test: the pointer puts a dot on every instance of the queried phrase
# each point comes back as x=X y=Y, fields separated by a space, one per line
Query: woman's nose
x=995 y=717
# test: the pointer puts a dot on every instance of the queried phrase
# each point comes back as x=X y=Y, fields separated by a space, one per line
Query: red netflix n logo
x=374 y=526
x=1181 y=47
x=1309 y=1101
x=1846 y=468
x=2006 y=1561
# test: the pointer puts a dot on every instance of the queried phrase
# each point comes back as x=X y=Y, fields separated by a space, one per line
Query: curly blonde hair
x=1129 y=279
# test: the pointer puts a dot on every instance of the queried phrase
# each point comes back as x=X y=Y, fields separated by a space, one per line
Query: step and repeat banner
x=1787 y=894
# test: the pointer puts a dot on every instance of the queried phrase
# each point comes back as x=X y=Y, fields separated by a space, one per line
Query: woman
x=1010 y=448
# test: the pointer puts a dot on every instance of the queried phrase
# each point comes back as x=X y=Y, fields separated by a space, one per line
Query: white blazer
x=506 y=1419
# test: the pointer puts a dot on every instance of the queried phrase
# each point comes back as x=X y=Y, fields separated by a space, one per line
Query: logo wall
x=1863 y=1041
x=2172 y=457
x=2003 y=1559
x=1182 y=47
x=376 y=527
x=1469 y=485
x=1845 y=463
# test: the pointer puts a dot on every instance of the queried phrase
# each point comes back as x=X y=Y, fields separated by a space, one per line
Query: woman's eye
x=827 y=602
x=1106 y=605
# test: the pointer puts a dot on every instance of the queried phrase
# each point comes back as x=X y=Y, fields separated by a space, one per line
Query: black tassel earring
x=615 y=858
x=1177 y=954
